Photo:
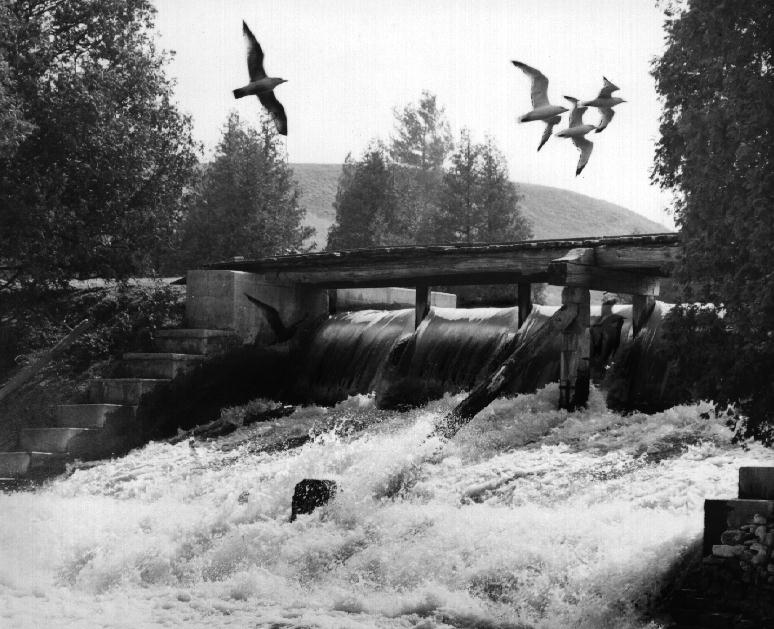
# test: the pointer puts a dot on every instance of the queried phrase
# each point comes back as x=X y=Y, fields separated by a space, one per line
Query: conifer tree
x=248 y=201
x=365 y=203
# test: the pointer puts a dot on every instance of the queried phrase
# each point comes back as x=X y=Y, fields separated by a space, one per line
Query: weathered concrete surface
x=94 y=415
x=16 y=464
x=50 y=439
x=756 y=483
x=150 y=365
x=215 y=299
x=121 y=390
x=390 y=298
x=194 y=341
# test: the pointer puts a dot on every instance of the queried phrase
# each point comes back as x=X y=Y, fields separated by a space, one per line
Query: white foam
x=530 y=515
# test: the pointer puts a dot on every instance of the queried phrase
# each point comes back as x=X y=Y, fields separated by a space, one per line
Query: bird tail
x=240 y=92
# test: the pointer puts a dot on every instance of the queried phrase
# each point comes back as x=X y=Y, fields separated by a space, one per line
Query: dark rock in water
x=311 y=493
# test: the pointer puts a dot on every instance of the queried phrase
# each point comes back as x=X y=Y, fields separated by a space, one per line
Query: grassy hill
x=555 y=213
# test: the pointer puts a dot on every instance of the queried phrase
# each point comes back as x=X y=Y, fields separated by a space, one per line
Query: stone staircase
x=105 y=424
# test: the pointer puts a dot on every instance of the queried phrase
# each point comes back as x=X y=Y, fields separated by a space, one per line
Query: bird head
x=618 y=101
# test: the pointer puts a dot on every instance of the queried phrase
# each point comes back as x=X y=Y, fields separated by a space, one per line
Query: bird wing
x=539 y=84
x=585 y=147
x=271 y=314
x=254 y=54
x=549 y=129
x=576 y=116
x=607 y=116
x=277 y=111
x=607 y=89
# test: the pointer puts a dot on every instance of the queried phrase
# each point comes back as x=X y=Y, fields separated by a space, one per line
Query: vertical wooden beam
x=576 y=346
x=332 y=299
x=525 y=301
x=642 y=307
x=422 y=304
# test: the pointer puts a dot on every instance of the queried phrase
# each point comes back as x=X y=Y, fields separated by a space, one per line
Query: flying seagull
x=576 y=131
x=260 y=84
x=605 y=101
x=541 y=108
x=275 y=323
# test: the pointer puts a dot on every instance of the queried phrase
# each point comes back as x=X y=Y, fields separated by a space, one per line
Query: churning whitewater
x=529 y=517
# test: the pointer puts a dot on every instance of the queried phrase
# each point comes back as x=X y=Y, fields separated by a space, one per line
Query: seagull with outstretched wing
x=576 y=132
x=542 y=109
x=605 y=101
x=282 y=332
x=260 y=84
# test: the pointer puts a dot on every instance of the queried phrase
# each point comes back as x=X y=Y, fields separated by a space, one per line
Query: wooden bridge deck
x=530 y=261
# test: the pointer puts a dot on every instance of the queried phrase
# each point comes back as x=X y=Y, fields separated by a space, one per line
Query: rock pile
x=749 y=547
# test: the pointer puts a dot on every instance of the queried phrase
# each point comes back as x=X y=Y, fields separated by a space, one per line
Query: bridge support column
x=574 y=372
x=525 y=301
x=215 y=299
x=422 y=304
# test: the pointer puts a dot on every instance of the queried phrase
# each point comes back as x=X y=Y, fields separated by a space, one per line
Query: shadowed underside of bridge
x=296 y=284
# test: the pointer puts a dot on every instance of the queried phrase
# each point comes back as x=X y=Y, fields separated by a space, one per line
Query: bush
x=708 y=359
x=124 y=317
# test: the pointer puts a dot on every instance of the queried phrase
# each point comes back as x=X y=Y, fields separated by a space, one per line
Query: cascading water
x=529 y=517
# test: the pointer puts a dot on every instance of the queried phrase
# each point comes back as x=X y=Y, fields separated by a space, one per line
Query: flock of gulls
x=263 y=86
x=551 y=115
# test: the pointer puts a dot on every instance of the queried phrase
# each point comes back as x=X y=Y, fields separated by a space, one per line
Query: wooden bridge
x=620 y=264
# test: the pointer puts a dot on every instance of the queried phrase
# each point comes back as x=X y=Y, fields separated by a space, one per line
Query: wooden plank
x=30 y=370
x=422 y=304
x=450 y=264
x=642 y=307
x=605 y=279
x=332 y=301
x=521 y=349
x=525 y=301
x=574 y=357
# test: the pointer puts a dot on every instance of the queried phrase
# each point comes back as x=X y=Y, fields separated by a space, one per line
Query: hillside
x=555 y=213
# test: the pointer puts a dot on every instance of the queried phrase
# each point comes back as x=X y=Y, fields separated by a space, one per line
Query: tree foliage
x=365 y=203
x=95 y=156
x=418 y=149
x=478 y=201
x=422 y=137
x=248 y=204
x=716 y=80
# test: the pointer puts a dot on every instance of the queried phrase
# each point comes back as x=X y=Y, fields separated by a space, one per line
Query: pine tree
x=478 y=202
x=418 y=149
x=248 y=202
x=365 y=203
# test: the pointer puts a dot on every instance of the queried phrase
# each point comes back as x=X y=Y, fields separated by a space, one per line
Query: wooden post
x=332 y=299
x=422 y=307
x=576 y=345
x=525 y=301
x=642 y=307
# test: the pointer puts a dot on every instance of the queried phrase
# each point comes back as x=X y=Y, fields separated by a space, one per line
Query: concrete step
x=195 y=341
x=16 y=464
x=121 y=390
x=93 y=415
x=58 y=440
x=160 y=365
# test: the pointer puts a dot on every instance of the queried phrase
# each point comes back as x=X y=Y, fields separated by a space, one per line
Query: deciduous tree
x=716 y=79
x=95 y=184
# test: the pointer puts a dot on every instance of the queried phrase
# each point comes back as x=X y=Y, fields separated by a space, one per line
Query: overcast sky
x=349 y=63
